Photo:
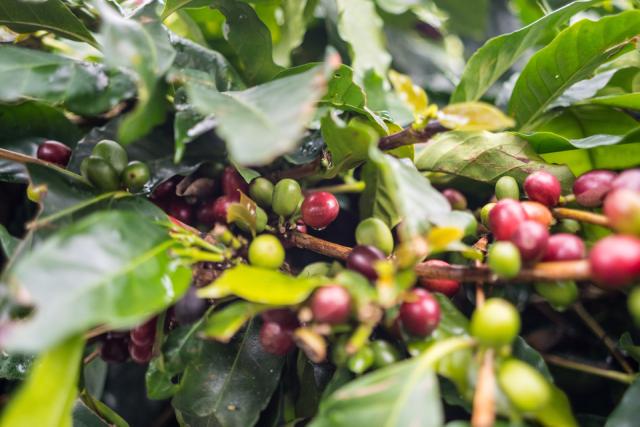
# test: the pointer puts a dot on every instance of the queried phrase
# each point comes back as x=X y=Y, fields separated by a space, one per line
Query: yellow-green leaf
x=222 y=325
x=441 y=237
x=471 y=116
x=411 y=94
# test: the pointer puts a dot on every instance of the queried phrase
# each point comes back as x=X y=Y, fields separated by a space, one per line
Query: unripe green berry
x=525 y=387
x=101 y=174
x=633 y=304
x=504 y=259
x=384 y=353
x=135 y=176
x=287 y=196
x=507 y=188
x=361 y=361
x=261 y=191
x=496 y=323
x=113 y=153
x=374 y=232
x=559 y=294
x=484 y=214
x=266 y=251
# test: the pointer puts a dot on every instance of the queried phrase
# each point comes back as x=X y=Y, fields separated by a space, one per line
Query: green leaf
x=14 y=366
x=261 y=285
x=499 y=53
x=572 y=56
x=82 y=87
x=465 y=18
x=485 y=157
x=223 y=324
x=452 y=321
x=360 y=26
x=471 y=116
x=626 y=413
x=256 y=125
x=227 y=384
x=586 y=120
x=292 y=30
x=131 y=277
x=48 y=15
x=46 y=397
x=525 y=352
x=628 y=100
x=8 y=243
x=172 y=6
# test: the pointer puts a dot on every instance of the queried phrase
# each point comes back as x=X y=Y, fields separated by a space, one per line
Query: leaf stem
x=350 y=187
x=484 y=402
x=589 y=369
x=583 y=216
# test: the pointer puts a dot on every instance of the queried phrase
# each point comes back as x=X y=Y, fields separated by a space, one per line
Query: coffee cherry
x=266 y=251
x=615 y=261
x=233 y=183
x=166 y=190
x=113 y=153
x=144 y=334
x=496 y=323
x=189 y=308
x=374 y=232
x=591 y=187
x=220 y=208
x=261 y=191
x=455 y=198
x=537 y=212
x=331 y=304
x=101 y=174
x=362 y=259
x=204 y=214
x=282 y=316
x=559 y=294
x=569 y=226
x=505 y=217
x=507 y=188
x=54 y=152
x=564 y=247
x=543 y=187
x=135 y=176
x=622 y=207
x=384 y=353
x=287 y=195
x=114 y=349
x=181 y=210
x=35 y=193
x=420 y=313
x=525 y=387
x=361 y=361
x=444 y=286
x=531 y=239
x=140 y=353
x=484 y=213
x=319 y=209
x=633 y=304
x=629 y=179
x=276 y=338
x=504 y=259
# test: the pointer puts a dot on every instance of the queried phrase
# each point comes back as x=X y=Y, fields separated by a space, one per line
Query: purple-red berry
x=564 y=247
x=629 y=179
x=221 y=207
x=166 y=190
x=543 y=187
x=444 y=286
x=144 y=334
x=362 y=259
x=591 y=187
x=319 y=209
x=140 y=353
x=420 y=313
x=622 y=208
x=114 y=349
x=277 y=338
x=615 y=261
x=189 y=308
x=455 y=198
x=505 y=217
x=233 y=183
x=181 y=210
x=531 y=239
x=331 y=304
x=54 y=152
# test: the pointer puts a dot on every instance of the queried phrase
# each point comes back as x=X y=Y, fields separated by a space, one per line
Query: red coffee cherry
x=455 y=198
x=319 y=209
x=622 y=207
x=531 y=239
x=420 y=313
x=144 y=334
x=166 y=190
x=114 y=349
x=233 y=183
x=205 y=213
x=615 y=261
x=444 y=286
x=221 y=207
x=564 y=247
x=543 y=187
x=537 y=212
x=181 y=210
x=331 y=304
x=362 y=259
x=54 y=152
x=629 y=179
x=591 y=187
x=276 y=338
x=140 y=353
x=505 y=217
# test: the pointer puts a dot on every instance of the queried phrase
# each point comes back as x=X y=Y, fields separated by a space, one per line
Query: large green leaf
x=626 y=413
x=171 y=6
x=8 y=243
x=348 y=143
x=227 y=384
x=292 y=30
x=628 y=100
x=223 y=324
x=130 y=277
x=572 y=56
x=499 y=53
x=485 y=157
x=46 y=397
x=82 y=87
x=256 y=125
x=467 y=18
x=586 y=120
x=48 y=15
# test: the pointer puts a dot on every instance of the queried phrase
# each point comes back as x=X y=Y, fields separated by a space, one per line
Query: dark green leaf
x=469 y=19
x=83 y=416
x=172 y=6
x=628 y=100
x=587 y=120
x=626 y=344
x=626 y=413
x=14 y=366
x=582 y=90
x=48 y=15
x=292 y=30
x=453 y=322
x=8 y=243
x=348 y=143
x=525 y=352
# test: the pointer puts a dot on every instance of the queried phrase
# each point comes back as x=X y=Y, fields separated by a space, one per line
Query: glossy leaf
x=14 y=366
x=582 y=48
x=8 y=243
x=227 y=384
x=48 y=15
x=628 y=100
x=262 y=286
x=471 y=116
x=499 y=53
x=525 y=352
x=46 y=397
x=292 y=30
x=223 y=324
x=626 y=414
x=586 y=120
x=131 y=277
x=582 y=90
x=171 y=6
x=485 y=157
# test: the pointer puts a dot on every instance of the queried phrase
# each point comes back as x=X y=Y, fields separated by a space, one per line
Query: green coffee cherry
x=35 y=193
x=504 y=259
x=384 y=353
x=287 y=196
x=266 y=251
x=633 y=304
x=135 y=176
x=339 y=354
x=261 y=221
x=496 y=323
x=525 y=387
x=261 y=191
x=360 y=362
x=113 y=153
x=374 y=232
x=507 y=188
x=101 y=174
x=559 y=294
x=570 y=226
x=484 y=214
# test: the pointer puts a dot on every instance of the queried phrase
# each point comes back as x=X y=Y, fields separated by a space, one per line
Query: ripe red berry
x=362 y=259
x=564 y=247
x=629 y=179
x=276 y=338
x=301 y=226
x=331 y=304
x=531 y=239
x=140 y=353
x=615 y=261
x=181 y=210
x=205 y=213
x=455 y=198
x=114 y=349
x=54 y=152
x=537 y=212
x=144 y=334
x=319 y=209
x=622 y=207
x=444 y=286
x=281 y=315
x=221 y=207
x=543 y=187
x=591 y=187
x=233 y=183
x=505 y=217
x=420 y=313
x=166 y=190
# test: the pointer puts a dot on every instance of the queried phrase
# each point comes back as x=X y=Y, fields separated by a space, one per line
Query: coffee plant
x=328 y=213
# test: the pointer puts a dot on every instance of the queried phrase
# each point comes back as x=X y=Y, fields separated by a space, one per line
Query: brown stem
x=583 y=367
x=91 y=356
x=410 y=136
x=583 y=216
x=319 y=246
x=484 y=404
x=19 y=157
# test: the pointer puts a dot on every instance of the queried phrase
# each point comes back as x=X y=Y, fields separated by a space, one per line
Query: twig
x=583 y=216
x=97 y=331
x=583 y=367
x=410 y=136
x=351 y=187
x=595 y=327
x=484 y=404
x=91 y=356
x=21 y=158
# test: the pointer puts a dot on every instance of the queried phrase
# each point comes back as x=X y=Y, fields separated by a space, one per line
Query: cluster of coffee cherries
x=108 y=168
